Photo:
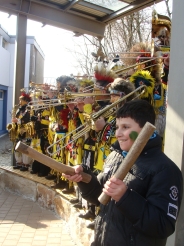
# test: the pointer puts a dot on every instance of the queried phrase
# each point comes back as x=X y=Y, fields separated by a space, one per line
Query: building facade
x=34 y=71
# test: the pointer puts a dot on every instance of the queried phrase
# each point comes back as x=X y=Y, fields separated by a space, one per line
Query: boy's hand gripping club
x=131 y=157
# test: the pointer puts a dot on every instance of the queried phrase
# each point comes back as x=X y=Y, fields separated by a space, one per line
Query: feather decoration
x=104 y=73
x=110 y=65
x=86 y=82
x=143 y=77
x=25 y=97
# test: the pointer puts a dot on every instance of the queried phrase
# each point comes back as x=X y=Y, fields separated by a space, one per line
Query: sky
x=54 y=43
x=51 y=40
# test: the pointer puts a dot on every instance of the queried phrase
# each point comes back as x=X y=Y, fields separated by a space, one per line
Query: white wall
x=8 y=66
x=27 y=66
x=1 y=40
x=174 y=139
x=4 y=65
x=12 y=49
x=5 y=59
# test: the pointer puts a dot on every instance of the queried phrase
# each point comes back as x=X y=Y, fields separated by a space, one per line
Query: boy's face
x=124 y=126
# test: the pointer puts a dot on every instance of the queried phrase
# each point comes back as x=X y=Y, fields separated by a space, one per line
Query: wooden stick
x=46 y=160
x=131 y=157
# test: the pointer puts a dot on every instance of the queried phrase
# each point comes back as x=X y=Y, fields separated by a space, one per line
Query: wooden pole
x=131 y=157
x=46 y=160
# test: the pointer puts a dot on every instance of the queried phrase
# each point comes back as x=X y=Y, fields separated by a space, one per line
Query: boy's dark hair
x=139 y=110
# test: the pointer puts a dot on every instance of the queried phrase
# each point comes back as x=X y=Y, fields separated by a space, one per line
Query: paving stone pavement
x=24 y=223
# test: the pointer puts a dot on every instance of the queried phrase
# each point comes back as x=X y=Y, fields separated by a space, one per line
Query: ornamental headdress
x=161 y=34
x=104 y=75
x=86 y=82
x=144 y=56
x=121 y=88
x=136 y=54
x=147 y=54
x=67 y=82
x=161 y=30
x=143 y=77
x=25 y=96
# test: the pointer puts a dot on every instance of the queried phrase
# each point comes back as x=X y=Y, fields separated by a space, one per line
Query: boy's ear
x=133 y=135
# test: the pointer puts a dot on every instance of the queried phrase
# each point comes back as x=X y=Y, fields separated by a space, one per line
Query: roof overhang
x=79 y=16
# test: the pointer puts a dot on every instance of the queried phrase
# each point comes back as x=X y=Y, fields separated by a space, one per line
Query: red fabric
x=64 y=117
x=26 y=96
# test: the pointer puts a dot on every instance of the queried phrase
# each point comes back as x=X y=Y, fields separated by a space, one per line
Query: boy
x=144 y=206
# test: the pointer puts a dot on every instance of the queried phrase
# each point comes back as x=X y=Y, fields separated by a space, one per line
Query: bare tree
x=120 y=36
x=81 y=52
x=167 y=2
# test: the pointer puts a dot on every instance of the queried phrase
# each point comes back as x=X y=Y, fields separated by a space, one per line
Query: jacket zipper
x=131 y=240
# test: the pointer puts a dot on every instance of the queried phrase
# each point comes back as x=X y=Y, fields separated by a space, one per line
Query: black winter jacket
x=146 y=214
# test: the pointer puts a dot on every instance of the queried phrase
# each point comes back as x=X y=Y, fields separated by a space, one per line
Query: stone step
x=38 y=189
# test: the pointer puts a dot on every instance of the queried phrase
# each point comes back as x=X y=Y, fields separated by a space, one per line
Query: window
x=4 y=44
x=1 y=94
x=33 y=61
x=114 y=5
